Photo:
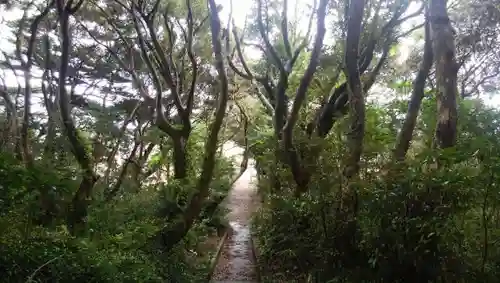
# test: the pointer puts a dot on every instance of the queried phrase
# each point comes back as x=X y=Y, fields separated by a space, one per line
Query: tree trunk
x=78 y=210
x=9 y=130
x=356 y=99
x=174 y=234
x=123 y=172
x=446 y=74
x=406 y=133
x=26 y=114
x=77 y=216
x=300 y=175
x=180 y=157
x=27 y=64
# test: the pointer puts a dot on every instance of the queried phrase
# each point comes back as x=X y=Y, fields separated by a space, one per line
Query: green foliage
x=119 y=245
x=435 y=218
x=413 y=222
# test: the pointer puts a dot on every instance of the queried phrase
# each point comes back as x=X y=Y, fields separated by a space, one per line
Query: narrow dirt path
x=237 y=261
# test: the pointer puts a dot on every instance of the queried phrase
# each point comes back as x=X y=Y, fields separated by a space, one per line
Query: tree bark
x=356 y=98
x=446 y=74
x=180 y=157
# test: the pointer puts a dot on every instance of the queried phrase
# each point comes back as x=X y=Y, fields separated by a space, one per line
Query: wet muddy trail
x=237 y=260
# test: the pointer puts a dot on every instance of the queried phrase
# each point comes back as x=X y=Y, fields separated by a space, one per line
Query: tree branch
x=301 y=96
x=284 y=29
x=173 y=235
x=269 y=47
x=406 y=132
x=337 y=102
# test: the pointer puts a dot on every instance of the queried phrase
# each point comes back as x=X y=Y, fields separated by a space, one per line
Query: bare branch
x=192 y=58
x=284 y=29
x=337 y=102
x=267 y=105
x=72 y=9
x=311 y=68
x=164 y=65
x=161 y=120
x=269 y=47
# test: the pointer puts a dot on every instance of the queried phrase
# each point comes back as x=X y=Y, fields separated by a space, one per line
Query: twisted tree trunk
x=174 y=234
x=81 y=199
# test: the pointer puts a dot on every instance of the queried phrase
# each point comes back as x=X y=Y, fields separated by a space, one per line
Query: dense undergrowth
x=119 y=245
x=412 y=222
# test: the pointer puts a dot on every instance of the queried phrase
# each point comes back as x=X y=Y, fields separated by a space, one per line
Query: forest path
x=237 y=259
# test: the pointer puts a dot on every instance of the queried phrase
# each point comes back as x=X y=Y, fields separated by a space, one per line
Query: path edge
x=215 y=259
x=255 y=254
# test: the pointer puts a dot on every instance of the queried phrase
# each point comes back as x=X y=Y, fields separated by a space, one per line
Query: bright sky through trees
x=297 y=13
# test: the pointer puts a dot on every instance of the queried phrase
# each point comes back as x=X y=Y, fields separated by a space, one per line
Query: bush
x=119 y=243
x=409 y=227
